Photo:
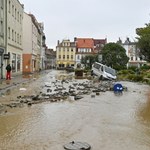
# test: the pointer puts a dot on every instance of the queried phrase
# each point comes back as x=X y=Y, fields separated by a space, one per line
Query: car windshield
x=110 y=70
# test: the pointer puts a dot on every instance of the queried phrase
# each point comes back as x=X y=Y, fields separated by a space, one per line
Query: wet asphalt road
x=106 y=121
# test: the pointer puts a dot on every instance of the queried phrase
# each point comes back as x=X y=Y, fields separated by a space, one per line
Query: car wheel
x=101 y=77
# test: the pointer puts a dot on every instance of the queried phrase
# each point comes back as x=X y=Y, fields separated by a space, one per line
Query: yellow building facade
x=65 y=54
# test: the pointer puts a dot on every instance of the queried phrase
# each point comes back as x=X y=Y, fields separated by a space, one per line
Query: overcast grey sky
x=111 y=19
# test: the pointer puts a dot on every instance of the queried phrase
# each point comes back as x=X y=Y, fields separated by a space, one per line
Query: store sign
x=6 y=56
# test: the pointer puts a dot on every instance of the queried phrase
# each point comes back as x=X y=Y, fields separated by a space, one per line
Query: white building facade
x=14 y=45
x=2 y=35
x=133 y=53
x=42 y=46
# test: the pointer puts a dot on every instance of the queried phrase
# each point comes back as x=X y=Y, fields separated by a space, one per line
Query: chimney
x=58 y=42
x=75 y=39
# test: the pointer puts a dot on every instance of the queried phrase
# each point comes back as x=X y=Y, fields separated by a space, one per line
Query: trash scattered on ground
x=118 y=88
x=22 y=89
x=59 y=90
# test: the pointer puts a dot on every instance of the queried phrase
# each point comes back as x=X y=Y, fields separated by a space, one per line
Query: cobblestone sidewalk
x=4 y=84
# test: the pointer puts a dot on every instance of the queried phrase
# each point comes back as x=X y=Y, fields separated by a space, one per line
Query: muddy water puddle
x=105 y=121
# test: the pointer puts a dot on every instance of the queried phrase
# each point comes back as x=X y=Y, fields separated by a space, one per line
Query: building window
x=18 y=62
x=9 y=7
x=12 y=10
x=9 y=32
x=63 y=56
x=131 y=58
x=1 y=27
x=13 y=62
x=59 y=56
x=2 y=4
x=18 y=16
x=67 y=56
x=20 y=19
x=12 y=35
x=15 y=13
x=20 y=39
x=71 y=56
x=15 y=36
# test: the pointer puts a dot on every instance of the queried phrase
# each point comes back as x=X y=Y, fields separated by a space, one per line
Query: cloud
x=91 y=18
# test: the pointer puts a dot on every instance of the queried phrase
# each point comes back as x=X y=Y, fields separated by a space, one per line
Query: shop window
x=13 y=62
x=18 y=62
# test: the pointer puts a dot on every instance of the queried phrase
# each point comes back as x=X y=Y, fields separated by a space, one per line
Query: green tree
x=144 y=41
x=88 y=60
x=114 y=55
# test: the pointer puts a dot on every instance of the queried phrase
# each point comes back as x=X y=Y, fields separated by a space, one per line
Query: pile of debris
x=61 y=90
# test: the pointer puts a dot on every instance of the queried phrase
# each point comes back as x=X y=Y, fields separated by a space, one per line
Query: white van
x=103 y=71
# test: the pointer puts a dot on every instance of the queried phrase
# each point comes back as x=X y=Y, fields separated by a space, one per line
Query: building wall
x=43 y=57
x=43 y=47
x=35 y=45
x=78 y=58
x=14 y=35
x=32 y=40
x=133 y=53
x=27 y=34
x=65 y=54
x=2 y=35
x=2 y=23
x=27 y=63
x=88 y=46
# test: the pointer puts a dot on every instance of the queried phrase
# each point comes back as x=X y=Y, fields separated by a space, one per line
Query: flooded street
x=106 y=121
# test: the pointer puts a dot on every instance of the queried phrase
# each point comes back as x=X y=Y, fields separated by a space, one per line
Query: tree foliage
x=114 y=55
x=144 y=41
x=88 y=60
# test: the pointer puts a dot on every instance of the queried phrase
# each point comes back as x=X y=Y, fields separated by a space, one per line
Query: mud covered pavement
x=59 y=112
x=53 y=87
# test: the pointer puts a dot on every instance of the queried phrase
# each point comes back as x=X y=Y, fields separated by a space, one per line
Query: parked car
x=70 y=68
